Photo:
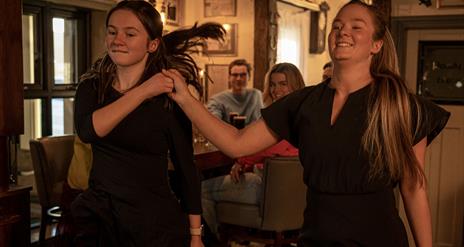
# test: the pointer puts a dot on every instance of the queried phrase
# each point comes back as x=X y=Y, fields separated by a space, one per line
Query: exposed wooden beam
x=11 y=81
x=263 y=55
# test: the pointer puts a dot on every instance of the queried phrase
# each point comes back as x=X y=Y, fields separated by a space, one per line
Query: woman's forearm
x=416 y=203
x=106 y=118
x=195 y=221
x=418 y=212
x=195 y=230
x=235 y=143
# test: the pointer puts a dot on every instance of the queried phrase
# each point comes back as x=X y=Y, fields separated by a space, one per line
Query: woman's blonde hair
x=292 y=75
x=388 y=139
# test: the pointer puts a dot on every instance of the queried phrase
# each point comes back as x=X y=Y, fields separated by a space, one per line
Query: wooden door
x=444 y=157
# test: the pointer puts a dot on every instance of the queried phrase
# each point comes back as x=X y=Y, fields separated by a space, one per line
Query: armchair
x=51 y=157
x=284 y=201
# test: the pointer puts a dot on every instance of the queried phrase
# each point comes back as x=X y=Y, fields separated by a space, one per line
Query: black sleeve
x=181 y=152
x=86 y=102
x=282 y=116
x=432 y=119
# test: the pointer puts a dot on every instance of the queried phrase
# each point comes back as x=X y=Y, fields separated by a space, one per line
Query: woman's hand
x=156 y=85
x=196 y=241
x=235 y=172
x=182 y=93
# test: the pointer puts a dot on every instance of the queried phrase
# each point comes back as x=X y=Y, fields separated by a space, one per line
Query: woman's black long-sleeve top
x=130 y=163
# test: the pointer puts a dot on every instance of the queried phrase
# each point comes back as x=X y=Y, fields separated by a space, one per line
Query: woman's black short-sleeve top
x=332 y=154
x=344 y=206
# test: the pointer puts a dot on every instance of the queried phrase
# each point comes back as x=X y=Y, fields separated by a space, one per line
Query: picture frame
x=317 y=33
x=227 y=47
x=216 y=79
x=450 y=3
x=174 y=10
x=214 y=8
x=440 y=71
x=318 y=29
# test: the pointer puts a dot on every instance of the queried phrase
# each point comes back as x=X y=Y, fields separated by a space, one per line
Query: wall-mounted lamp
x=226 y=26
x=162 y=12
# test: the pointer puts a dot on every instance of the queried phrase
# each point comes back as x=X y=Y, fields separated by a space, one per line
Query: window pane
x=29 y=48
x=32 y=122
x=62 y=116
x=64 y=50
x=287 y=51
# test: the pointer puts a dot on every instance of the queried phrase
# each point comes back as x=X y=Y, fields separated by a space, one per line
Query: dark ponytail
x=180 y=44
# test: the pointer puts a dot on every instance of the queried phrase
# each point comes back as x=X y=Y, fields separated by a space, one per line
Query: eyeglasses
x=239 y=75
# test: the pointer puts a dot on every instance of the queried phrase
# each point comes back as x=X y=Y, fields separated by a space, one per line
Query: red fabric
x=283 y=148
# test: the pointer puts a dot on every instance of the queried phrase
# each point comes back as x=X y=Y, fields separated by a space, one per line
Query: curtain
x=293 y=31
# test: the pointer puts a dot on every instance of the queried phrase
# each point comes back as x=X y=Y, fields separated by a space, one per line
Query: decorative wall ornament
x=173 y=11
x=220 y=8
x=318 y=29
x=227 y=47
x=216 y=79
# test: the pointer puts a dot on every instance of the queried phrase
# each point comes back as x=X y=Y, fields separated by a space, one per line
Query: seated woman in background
x=244 y=184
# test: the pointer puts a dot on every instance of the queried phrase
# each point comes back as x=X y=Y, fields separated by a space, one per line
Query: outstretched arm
x=235 y=143
x=416 y=202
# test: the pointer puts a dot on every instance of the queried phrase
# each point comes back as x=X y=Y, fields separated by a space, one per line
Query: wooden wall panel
x=11 y=80
x=446 y=183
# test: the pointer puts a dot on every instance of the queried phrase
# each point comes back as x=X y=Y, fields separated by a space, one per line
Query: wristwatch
x=196 y=231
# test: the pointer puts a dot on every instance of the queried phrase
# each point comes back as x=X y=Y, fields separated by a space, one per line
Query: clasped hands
x=235 y=172
x=167 y=81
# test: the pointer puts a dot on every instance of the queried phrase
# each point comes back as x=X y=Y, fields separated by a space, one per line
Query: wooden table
x=209 y=157
x=211 y=161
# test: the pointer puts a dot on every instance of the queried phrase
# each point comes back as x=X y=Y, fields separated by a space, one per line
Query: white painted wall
x=194 y=12
x=316 y=61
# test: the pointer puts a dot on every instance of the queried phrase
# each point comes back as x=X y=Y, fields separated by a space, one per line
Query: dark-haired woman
x=121 y=109
x=359 y=134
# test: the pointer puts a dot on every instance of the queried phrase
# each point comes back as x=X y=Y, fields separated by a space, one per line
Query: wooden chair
x=279 y=217
x=51 y=157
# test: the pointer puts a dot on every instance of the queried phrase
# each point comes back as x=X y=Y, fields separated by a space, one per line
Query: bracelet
x=196 y=231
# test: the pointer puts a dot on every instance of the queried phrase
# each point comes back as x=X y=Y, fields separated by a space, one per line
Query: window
x=293 y=26
x=55 y=54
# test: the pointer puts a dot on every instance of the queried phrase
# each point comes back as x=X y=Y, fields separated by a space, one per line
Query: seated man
x=244 y=184
x=244 y=101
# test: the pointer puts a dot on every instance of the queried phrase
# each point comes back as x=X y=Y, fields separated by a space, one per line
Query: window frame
x=44 y=87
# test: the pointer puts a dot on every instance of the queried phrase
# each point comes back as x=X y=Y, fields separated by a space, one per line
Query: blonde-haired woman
x=244 y=184
x=287 y=78
x=360 y=134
